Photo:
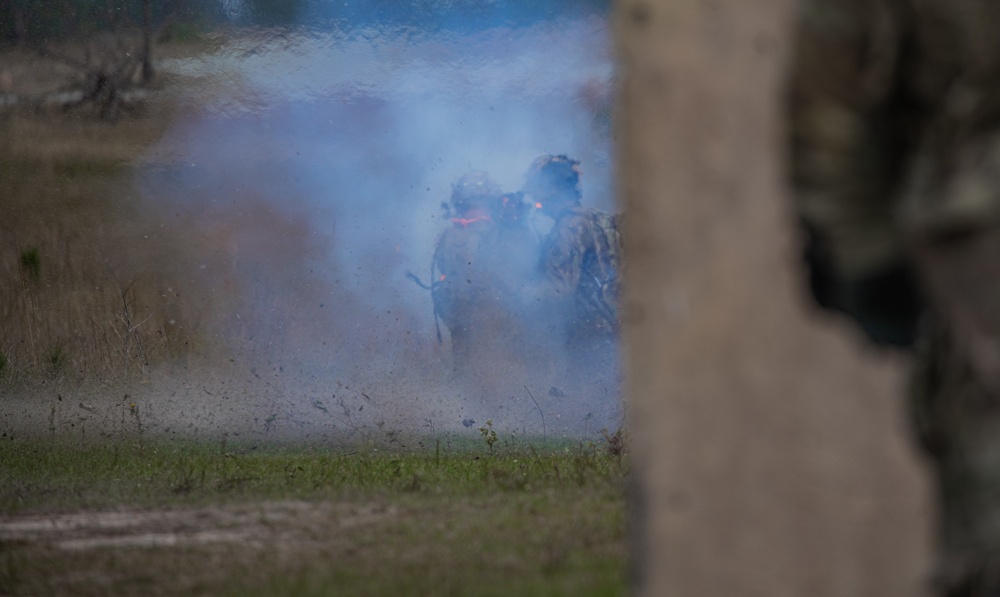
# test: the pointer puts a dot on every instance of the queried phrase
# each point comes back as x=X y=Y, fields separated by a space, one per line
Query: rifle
x=596 y=302
x=434 y=284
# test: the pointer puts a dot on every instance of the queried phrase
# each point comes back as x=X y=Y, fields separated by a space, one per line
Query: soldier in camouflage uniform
x=581 y=256
x=895 y=124
x=461 y=288
x=479 y=259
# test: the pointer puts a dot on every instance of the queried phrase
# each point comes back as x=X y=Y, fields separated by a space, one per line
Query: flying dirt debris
x=263 y=232
x=508 y=293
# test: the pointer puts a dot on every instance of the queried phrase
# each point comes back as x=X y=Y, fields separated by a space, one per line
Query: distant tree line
x=40 y=21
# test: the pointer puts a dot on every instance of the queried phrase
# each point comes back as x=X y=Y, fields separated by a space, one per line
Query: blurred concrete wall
x=771 y=443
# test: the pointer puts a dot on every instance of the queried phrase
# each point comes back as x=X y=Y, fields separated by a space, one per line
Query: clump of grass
x=489 y=434
x=56 y=358
x=616 y=444
x=31 y=262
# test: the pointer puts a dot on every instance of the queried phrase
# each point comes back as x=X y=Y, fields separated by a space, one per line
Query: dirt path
x=249 y=525
x=177 y=551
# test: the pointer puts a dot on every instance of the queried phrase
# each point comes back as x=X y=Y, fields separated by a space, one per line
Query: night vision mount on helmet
x=473 y=190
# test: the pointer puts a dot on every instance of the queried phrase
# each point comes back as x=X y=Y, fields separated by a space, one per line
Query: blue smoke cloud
x=313 y=159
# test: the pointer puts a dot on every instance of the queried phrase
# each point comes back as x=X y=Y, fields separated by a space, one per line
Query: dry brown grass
x=79 y=291
x=117 y=282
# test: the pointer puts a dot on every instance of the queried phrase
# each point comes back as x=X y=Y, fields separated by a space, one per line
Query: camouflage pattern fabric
x=581 y=259
x=479 y=262
x=895 y=131
x=463 y=289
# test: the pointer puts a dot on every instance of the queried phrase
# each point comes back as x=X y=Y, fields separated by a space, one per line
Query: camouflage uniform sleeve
x=848 y=134
x=563 y=255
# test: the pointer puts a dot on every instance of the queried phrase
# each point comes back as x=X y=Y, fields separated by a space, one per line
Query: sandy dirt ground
x=184 y=551
x=261 y=524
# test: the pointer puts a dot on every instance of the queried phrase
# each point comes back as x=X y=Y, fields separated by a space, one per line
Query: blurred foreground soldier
x=581 y=256
x=895 y=121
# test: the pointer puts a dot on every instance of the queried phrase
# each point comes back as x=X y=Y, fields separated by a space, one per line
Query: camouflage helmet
x=553 y=174
x=472 y=190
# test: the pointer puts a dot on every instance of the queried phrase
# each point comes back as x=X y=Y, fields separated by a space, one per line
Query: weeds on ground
x=538 y=517
x=40 y=475
x=31 y=263
x=56 y=359
x=489 y=434
x=617 y=445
